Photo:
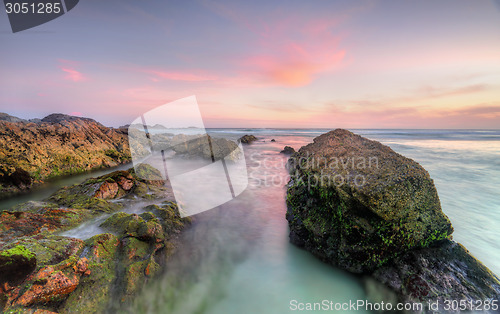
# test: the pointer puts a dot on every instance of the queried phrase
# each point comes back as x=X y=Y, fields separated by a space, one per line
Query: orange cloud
x=290 y=50
x=294 y=71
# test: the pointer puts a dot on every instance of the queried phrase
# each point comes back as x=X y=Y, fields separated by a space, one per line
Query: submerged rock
x=247 y=139
x=356 y=203
x=359 y=205
x=288 y=150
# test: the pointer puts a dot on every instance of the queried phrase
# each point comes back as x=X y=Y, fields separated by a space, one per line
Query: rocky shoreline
x=41 y=270
x=34 y=151
x=360 y=206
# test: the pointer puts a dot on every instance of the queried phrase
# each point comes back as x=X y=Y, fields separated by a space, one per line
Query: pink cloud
x=289 y=50
x=69 y=67
x=180 y=76
x=72 y=75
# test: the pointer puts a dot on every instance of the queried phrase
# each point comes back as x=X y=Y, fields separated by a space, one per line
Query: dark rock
x=15 y=264
x=288 y=150
x=443 y=272
x=14 y=224
x=59 y=117
x=9 y=118
x=356 y=203
x=389 y=225
x=247 y=139
x=204 y=146
x=273 y=140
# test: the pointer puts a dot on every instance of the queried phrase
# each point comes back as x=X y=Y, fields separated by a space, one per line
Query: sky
x=283 y=64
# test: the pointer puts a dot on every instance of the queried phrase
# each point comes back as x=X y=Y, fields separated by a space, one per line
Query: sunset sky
x=297 y=64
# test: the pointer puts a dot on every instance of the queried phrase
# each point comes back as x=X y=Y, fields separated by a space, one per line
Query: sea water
x=237 y=258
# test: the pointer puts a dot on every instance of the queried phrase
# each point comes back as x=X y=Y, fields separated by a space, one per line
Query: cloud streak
x=69 y=67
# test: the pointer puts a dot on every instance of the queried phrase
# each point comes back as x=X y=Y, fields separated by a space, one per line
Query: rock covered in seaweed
x=39 y=269
x=356 y=203
x=57 y=145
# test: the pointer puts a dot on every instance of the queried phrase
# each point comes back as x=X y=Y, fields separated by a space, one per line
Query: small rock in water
x=247 y=139
x=287 y=150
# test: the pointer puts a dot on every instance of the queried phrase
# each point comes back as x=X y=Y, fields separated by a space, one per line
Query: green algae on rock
x=71 y=275
x=58 y=145
x=356 y=203
x=16 y=263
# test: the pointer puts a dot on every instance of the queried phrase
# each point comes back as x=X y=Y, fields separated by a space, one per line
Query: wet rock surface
x=57 y=145
x=59 y=274
x=247 y=139
x=359 y=205
x=356 y=203
x=444 y=272
x=287 y=150
x=204 y=146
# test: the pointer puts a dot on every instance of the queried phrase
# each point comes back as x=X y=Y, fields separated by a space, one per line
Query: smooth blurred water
x=237 y=258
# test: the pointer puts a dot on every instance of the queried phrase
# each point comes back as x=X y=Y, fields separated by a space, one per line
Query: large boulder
x=357 y=204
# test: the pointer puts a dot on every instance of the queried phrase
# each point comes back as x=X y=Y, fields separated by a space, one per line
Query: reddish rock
x=49 y=285
x=107 y=190
x=82 y=266
x=126 y=183
x=39 y=311
x=18 y=224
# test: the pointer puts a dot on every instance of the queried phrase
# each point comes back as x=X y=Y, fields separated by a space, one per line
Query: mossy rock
x=146 y=172
x=16 y=263
x=136 y=226
x=95 y=290
x=356 y=203
x=169 y=216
